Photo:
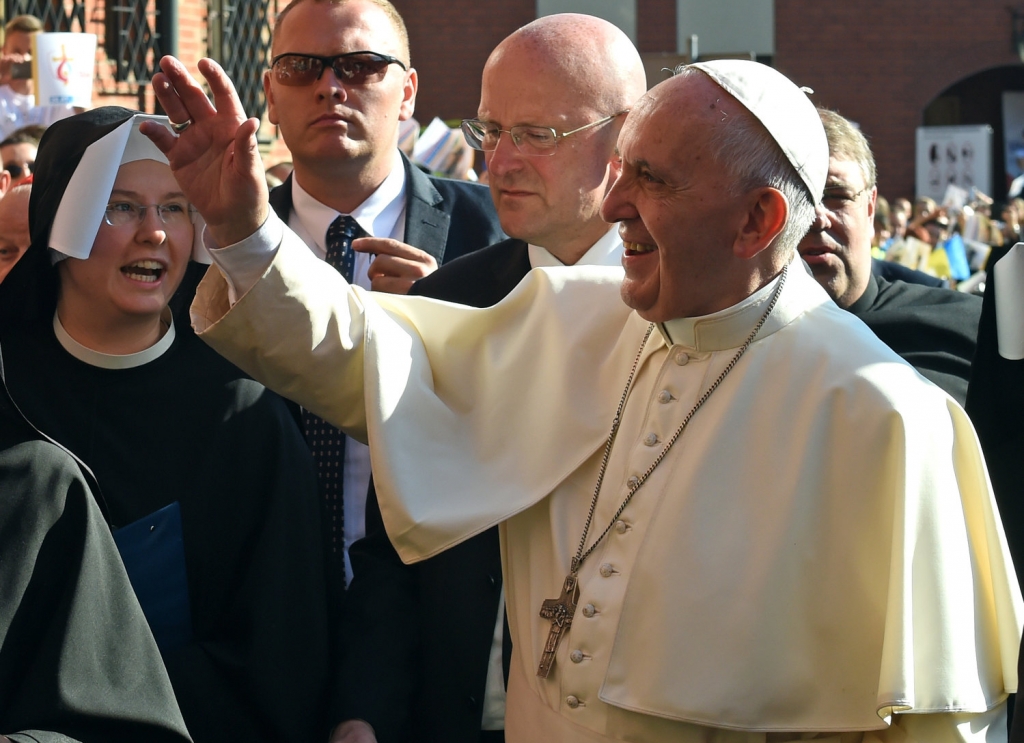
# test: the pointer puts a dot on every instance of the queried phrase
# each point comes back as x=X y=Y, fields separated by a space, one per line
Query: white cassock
x=819 y=551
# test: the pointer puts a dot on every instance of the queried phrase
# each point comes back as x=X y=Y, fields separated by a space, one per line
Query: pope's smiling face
x=678 y=216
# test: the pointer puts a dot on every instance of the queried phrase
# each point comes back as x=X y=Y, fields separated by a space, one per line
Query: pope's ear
x=5 y=182
x=765 y=219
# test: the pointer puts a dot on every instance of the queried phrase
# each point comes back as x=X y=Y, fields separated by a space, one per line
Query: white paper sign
x=1009 y=271
x=953 y=155
x=63 y=65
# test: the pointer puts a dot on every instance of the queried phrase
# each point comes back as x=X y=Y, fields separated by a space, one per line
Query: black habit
x=77 y=660
x=933 y=329
x=189 y=428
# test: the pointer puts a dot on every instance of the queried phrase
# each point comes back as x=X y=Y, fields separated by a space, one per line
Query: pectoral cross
x=560 y=612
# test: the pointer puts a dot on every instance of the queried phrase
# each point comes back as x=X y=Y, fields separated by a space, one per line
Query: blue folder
x=153 y=553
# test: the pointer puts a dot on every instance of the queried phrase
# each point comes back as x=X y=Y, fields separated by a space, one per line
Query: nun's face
x=136 y=264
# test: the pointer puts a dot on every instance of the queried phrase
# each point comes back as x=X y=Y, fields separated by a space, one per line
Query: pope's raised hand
x=215 y=158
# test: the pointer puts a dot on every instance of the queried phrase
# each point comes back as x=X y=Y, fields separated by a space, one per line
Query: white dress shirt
x=381 y=215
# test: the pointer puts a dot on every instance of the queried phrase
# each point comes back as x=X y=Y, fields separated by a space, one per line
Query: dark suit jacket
x=447 y=219
x=418 y=637
x=443 y=217
x=934 y=330
x=897 y=272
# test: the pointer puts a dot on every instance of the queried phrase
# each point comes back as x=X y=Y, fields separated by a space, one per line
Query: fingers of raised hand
x=180 y=94
x=159 y=134
x=225 y=96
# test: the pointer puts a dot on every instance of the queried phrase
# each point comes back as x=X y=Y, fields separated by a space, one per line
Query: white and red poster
x=62 y=67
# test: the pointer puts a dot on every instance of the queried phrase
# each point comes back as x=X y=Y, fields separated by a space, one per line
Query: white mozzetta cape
x=819 y=550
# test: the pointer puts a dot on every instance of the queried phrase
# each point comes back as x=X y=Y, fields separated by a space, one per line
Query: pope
x=728 y=512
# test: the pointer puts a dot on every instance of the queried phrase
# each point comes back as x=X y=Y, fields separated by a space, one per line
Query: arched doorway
x=978 y=99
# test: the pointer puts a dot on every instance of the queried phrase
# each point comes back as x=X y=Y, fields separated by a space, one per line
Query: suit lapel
x=509 y=272
x=281 y=199
x=426 y=224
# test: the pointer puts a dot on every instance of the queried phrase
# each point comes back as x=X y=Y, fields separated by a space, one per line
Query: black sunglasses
x=17 y=171
x=351 y=68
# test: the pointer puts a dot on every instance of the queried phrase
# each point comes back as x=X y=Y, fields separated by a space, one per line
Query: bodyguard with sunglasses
x=340 y=82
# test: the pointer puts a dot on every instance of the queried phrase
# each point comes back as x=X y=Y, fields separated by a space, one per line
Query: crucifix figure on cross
x=560 y=611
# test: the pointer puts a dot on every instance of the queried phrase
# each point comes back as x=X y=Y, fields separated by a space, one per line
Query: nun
x=205 y=479
x=77 y=660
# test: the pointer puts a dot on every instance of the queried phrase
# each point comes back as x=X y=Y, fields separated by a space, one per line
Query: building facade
x=889 y=65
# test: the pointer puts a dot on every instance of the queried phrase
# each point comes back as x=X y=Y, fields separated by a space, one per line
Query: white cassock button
x=682 y=358
x=589 y=610
x=651 y=439
x=664 y=397
x=621 y=527
x=607 y=570
x=576 y=656
x=572 y=701
x=633 y=481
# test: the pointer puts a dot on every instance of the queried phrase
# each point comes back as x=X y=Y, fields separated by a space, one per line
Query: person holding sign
x=17 y=100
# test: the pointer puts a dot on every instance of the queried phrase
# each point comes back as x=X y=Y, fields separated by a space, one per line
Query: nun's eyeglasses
x=121 y=213
x=352 y=68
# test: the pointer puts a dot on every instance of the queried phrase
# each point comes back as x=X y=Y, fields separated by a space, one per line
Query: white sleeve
x=245 y=262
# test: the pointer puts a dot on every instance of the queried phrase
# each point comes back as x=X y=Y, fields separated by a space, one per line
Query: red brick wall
x=450 y=42
x=191 y=48
x=880 y=63
x=191 y=32
x=656 y=26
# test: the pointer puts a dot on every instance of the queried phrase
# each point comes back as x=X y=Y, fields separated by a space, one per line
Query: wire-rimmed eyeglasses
x=121 y=213
x=837 y=199
x=535 y=141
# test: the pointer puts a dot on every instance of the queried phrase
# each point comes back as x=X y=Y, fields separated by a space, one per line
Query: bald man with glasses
x=426 y=650
x=935 y=330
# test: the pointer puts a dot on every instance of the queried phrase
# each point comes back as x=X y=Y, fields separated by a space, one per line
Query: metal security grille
x=131 y=40
x=239 y=38
x=56 y=15
x=132 y=35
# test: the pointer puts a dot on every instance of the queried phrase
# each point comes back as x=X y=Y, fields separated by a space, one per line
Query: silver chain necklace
x=560 y=611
